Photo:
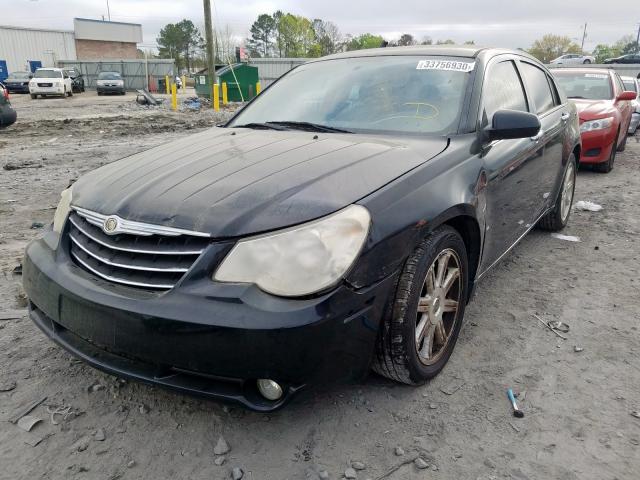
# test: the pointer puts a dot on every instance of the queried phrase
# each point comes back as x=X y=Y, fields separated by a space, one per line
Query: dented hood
x=231 y=182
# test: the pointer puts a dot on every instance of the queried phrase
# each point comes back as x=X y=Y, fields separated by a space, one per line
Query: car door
x=511 y=166
x=554 y=115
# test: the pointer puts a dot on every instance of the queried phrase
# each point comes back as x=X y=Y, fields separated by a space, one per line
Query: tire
x=71 y=93
x=558 y=217
x=34 y=96
x=99 y=93
x=623 y=145
x=606 y=167
x=587 y=61
x=398 y=354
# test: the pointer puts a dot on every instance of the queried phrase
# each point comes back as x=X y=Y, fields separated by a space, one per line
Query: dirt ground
x=579 y=394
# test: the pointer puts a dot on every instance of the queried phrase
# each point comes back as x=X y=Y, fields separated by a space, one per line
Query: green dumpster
x=241 y=80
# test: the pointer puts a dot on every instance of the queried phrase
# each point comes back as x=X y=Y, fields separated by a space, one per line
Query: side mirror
x=508 y=124
x=627 y=95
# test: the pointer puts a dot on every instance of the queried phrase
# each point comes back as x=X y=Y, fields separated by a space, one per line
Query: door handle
x=564 y=117
x=537 y=137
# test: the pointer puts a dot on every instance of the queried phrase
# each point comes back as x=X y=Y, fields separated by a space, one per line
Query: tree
x=406 y=39
x=602 y=52
x=552 y=46
x=262 y=32
x=366 y=40
x=445 y=42
x=426 y=40
x=328 y=38
x=470 y=42
x=179 y=41
x=296 y=35
x=277 y=18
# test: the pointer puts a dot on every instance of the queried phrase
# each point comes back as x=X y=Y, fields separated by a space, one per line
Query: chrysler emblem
x=110 y=225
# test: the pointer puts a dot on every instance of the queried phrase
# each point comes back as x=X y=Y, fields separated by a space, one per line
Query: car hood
x=592 y=109
x=232 y=182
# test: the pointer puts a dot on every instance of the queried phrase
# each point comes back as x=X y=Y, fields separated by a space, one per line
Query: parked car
x=629 y=58
x=110 y=82
x=604 y=108
x=339 y=222
x=18 y=82
x=50 y=81
x=631 y=84
x=77 y=81
x=178 y=81
x=8 y=115
x=573 y=58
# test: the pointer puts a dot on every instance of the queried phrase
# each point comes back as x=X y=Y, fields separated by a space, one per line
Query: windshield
x=18 y=75
x=376 y=94
x=48 y=74
x=109 y=76
x=591 y=86
x=630 y=86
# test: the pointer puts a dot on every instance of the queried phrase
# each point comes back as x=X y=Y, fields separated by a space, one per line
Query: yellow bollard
x=216 y=97
x=174 y=97
x=166 y=83
x=225 y=98
x=258 y=88
x=184 y=83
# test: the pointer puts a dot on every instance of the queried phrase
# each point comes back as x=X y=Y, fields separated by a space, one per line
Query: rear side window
x=619 y=83
x=503 y=90
x=539 y=89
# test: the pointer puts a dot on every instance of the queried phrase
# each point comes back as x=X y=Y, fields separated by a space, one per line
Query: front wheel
x=423 y=321
x=623 y=145
x=558 y=217
x=34 y=96
x=587 y=61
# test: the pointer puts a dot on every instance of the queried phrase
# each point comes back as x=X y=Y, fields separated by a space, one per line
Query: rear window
x=587 y=85
x=109 y=76
x=42 y=73
x=21 y=75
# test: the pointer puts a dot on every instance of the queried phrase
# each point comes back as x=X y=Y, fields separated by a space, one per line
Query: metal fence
x=629 y=70
x=270 y=69
x=132 y=71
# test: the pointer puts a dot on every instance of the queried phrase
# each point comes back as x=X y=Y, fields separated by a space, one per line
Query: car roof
x=469 y=51
x=49 y=68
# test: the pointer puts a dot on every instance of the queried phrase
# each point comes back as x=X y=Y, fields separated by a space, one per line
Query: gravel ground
x=579 y=394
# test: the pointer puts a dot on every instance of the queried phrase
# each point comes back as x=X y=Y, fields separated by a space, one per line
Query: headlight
x=600 y=124
x=62 y=212
x=299 y=260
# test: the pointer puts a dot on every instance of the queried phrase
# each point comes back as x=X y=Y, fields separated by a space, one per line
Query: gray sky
x=515 y=23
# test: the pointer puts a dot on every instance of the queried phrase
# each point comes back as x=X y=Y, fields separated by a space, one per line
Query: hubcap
x=567 y=192
x=438 y=306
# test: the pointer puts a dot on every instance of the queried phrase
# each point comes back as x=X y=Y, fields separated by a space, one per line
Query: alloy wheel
x=438 y=306
x=567 y=191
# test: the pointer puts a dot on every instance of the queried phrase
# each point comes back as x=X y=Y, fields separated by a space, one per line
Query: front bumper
x=597 y=145
x=204 y=337
x=37 y=90
x=635 y=121
x=17 y=87
x=109 y=89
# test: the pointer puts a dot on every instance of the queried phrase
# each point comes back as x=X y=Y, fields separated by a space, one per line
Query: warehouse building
x=30 y=48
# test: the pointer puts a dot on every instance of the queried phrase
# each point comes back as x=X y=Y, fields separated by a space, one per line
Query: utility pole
x=584 y=35
x=108 y=11
x=208 y=32
x=638 y=40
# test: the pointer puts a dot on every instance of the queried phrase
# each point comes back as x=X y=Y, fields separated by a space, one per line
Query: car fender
x=405 y=211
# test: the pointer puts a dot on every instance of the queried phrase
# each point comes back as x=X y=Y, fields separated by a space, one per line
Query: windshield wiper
x=260 y=126
x=310 y=127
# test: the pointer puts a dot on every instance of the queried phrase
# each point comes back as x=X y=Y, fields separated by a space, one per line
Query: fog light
x=269 y=389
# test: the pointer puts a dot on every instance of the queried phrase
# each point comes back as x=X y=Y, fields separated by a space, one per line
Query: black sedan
x=77 y=80
x=629 y=58
x=338 y=223
x=8 y=115
x=18 y=82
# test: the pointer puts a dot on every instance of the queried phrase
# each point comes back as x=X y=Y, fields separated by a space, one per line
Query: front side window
x=503 y=90
x=48 y=74
x=587 y=85
x=536 y=80
x=399 y=94
x=630 y=86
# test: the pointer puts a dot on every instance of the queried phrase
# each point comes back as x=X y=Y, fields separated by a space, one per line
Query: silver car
x=572 y=59
x=631 y=84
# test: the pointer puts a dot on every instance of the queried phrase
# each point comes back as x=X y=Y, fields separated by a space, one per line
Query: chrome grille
x=137 y=254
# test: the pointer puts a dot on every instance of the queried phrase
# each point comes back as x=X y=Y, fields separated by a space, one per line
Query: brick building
x=100 y=40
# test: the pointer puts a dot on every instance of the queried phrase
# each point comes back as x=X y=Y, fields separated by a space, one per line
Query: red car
x=604 y=109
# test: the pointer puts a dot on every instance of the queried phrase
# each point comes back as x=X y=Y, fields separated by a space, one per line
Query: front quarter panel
x=406 y=210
